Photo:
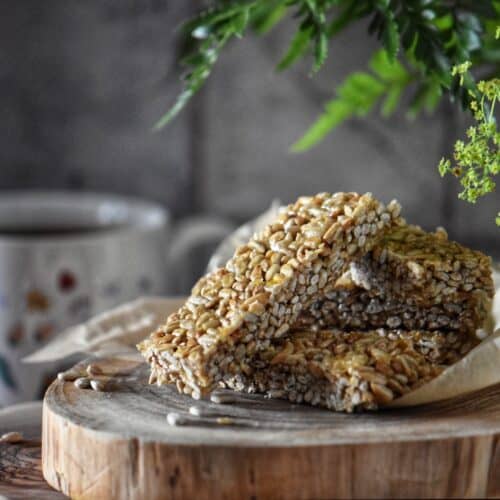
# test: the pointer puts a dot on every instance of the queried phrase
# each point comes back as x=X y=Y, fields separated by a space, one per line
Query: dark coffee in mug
x=55 y=231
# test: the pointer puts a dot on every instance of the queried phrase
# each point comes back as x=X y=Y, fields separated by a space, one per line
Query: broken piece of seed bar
x=237 y=311
x=411 y=279
x=345 y=371
x=352 y=307
x=426 y=269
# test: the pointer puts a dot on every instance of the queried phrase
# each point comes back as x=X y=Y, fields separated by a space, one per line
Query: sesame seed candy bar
x=350 y=307
x=424 y=269
x=347 y=371
x=264 y=287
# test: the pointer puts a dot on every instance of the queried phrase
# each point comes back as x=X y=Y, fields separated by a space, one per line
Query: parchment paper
x=119 y=330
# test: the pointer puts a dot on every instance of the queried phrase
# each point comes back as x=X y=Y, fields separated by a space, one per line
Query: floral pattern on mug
x=67 y=281
x=16 y=334
x=36 y=300
x=44 y=332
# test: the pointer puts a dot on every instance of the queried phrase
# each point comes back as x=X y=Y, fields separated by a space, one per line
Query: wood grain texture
x=494 y=478
x=21 y=472
x=119 y=445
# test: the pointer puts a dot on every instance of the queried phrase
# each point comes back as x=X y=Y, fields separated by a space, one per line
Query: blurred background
x=82 y=84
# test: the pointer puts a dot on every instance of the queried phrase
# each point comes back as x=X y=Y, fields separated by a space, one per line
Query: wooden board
x=21 y=472
x=118 y=444
x=21 y=462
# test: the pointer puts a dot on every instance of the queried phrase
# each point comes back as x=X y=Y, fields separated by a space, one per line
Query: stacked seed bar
x=330 y=261
x=236 y=312
x=345 y=371
x=355 y=308
x=411 y=280
x=424 y=267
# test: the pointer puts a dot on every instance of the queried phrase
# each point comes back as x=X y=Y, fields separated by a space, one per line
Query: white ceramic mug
x=63 y=258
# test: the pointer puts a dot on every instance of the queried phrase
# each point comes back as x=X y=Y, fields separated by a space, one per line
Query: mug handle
x=192 y=243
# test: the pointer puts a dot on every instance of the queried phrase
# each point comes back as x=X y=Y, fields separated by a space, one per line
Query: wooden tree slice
x=118 y=444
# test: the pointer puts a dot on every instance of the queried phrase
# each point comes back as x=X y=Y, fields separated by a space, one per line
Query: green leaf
x=490 y=54
x=265 y=18
x=470 y=21
x=432 y=96
x=240 y=22
x=344 y=18
x=357 y=95
x=428 y=14
x=392 y=100
x=360 y=90
x=212 y=16
x=444 y=23
x=297 y=47
x=485 y=8
x=435 y=36
x=387 y=70
x=390 y=38
x=335 y=113
x=320 y=52
x=470 y=40
x=179 y=104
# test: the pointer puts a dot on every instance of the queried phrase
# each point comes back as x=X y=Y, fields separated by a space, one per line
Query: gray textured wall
x=81 y=83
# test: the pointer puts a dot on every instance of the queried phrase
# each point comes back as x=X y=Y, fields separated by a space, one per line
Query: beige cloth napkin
x=114 y=332
x=479 y=369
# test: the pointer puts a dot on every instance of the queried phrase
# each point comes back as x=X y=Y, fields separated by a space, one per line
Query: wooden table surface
x=21 y=472
x=20 y=463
